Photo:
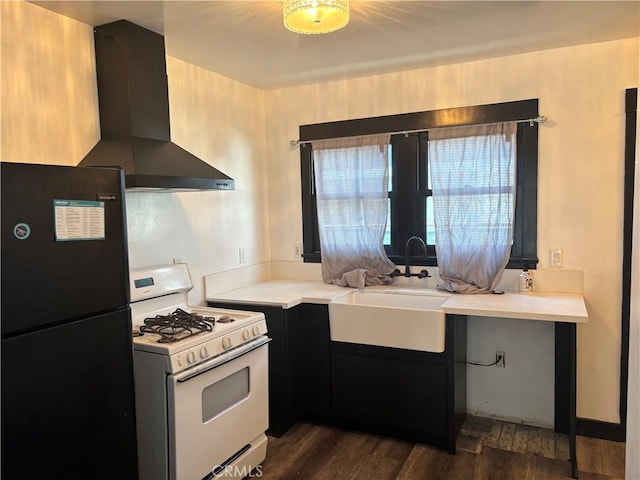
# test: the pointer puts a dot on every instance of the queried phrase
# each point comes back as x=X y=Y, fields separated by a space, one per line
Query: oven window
x=224 y=394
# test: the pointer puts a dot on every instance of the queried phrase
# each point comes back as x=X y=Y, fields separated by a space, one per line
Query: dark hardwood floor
x=487 y=450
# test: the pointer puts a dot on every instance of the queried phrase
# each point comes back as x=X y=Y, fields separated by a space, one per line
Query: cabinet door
x=281 y=405
x=359 y=390
x=389 y=391
x=417 y=398
x=309 y=337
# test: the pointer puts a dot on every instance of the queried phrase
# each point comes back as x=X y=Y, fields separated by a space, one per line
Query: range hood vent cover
x=134 y=115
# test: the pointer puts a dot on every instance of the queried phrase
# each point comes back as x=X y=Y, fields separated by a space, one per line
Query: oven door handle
x=222 y=359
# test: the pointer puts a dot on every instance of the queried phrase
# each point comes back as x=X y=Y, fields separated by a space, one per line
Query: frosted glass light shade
x=315 y=16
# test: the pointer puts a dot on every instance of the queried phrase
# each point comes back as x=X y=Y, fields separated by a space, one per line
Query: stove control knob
x=246 y=334
x=204 y=352
x=255 y=330
x=227 y=343
x=192 y=357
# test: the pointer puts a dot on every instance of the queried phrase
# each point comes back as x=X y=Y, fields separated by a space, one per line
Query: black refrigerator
x=66 y=360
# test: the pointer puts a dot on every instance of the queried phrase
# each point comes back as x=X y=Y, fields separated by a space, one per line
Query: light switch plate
x=556 y=257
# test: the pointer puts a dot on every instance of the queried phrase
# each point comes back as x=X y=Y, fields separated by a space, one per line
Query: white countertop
x=282 y=293
x=551 y=307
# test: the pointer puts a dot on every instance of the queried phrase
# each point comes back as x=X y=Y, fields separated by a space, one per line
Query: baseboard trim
x=603 y=430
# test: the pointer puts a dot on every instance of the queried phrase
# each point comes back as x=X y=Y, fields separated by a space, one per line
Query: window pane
x=472 y=217
x=387 y=230
x=390 y=163
x=430 y=223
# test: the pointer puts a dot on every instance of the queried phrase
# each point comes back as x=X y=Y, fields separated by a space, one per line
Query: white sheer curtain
x=473 y=176
x=351 y=181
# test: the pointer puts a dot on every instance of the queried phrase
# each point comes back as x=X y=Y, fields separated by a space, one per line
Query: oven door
x=216 y=409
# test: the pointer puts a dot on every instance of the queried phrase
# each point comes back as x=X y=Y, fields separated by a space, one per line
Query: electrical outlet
x=297 y=250
x=241 y=255
x=500 y=359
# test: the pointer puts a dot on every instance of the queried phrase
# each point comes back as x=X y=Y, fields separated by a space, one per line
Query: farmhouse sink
x=390 y=318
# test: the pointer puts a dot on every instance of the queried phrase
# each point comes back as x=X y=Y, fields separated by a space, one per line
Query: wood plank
x=501 y=464
x=534 y=441
x=296 y=456
x=547 y=443
x=613 y=458
x=346 y=454
x=318 y=452
x=491 y=439
x=477 y=426
x=520 y=439
x=601 y=456
x=398 y=450
x=382 y=461
x=467 y=443
x=596 y=476
x=414 y=467
x=433 y=464
x=589 y=454
x=551 y=469
x=505 y=442
x=281 y=448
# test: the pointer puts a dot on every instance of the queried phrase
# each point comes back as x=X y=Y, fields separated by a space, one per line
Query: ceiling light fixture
x=315 y=16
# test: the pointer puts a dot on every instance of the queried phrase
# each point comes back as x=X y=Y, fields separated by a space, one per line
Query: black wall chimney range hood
x=134 y=115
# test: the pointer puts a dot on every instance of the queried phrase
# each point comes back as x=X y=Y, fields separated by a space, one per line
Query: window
x=410 y=200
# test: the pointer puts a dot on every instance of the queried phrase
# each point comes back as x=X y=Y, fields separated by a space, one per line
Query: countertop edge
x=284 y=305
x=576 y=317
x=541 y=317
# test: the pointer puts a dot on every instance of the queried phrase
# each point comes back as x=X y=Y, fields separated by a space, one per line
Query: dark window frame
x=404 y=220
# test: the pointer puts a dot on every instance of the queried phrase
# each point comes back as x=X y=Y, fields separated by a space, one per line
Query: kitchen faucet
x=407 y=268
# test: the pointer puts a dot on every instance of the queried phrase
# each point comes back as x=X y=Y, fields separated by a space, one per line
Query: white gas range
x=201 y=379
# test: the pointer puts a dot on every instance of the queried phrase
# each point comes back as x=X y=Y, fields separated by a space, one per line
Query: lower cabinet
x=419 y=396
x=393 y=392
x=310 y=361
x=299 y=363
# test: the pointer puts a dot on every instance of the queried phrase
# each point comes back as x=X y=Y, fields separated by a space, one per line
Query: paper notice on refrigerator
x=78 y=220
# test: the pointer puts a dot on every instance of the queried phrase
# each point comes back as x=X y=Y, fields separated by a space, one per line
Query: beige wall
x=49 y=115
x=220 y=121
x=48 y=86
x=581 y=91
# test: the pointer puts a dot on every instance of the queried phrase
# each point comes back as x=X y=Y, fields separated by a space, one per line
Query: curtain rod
x=531 y=121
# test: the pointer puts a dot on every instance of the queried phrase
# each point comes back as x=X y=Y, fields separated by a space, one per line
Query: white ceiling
x=247 y=41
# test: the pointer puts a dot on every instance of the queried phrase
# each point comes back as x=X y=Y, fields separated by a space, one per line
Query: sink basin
x=389 y=319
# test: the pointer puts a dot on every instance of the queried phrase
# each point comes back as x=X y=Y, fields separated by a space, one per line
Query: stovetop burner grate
x=177 y=325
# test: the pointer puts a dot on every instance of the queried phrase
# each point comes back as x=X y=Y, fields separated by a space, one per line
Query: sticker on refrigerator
x=22 y=231
x=78 y=220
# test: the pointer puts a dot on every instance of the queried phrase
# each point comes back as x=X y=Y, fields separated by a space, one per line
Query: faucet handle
x=424 y=274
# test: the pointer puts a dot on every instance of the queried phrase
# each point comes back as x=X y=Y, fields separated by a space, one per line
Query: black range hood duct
x=134 y=115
